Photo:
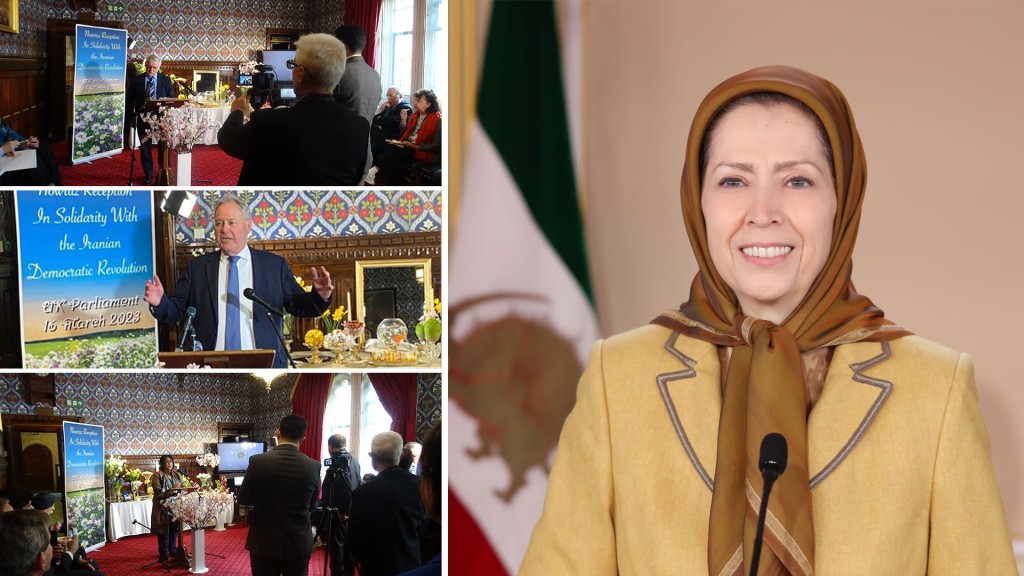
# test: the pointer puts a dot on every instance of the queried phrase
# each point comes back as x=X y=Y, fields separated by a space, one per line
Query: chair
x=425 y=174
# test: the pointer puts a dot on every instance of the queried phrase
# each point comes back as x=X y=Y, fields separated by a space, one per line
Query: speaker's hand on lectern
x=154 y=291
x=322 y=282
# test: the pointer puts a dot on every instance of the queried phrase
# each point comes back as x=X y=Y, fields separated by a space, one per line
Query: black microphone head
x=190 y=311
x=249 y=293
x=774 y=453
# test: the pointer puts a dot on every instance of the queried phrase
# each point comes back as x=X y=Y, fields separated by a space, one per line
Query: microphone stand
x=157 y=561
x=131 y=146
x=280 y=338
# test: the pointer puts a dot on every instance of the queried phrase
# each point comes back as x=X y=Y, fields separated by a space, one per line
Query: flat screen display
x=245 y=80
x=234 y=456
x=287 y=93
x=277 y=59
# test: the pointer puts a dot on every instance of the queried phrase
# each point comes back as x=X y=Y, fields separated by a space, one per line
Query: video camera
x=262 y=85
x=340 y=461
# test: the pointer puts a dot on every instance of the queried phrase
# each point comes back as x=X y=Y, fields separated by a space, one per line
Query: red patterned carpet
x=127 y=556
x=210 y=167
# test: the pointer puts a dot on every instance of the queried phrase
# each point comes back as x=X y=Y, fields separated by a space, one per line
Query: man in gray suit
x=282 y=485
x=359 y=88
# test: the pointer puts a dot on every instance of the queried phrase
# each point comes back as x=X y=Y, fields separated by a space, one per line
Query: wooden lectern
x=219 y=359
x=164 y=176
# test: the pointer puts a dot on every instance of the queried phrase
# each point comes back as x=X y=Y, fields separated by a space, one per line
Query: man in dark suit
x=316 y=142
x=359 y=88
x=388 y=121
x=145 y=87
x=282 y=486
x=386 y=514
x=213 y=283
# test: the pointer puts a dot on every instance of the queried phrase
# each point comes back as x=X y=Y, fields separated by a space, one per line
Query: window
x=354 y=411
x=412 y=45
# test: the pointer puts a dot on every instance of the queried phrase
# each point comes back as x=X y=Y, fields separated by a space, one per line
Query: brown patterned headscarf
x=764 y=390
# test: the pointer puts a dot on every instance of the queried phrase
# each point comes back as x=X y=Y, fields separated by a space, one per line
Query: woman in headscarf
x=888 y=457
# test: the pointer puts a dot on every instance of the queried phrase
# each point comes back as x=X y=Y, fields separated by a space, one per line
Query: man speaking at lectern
x=214 y=284
x=146 y=87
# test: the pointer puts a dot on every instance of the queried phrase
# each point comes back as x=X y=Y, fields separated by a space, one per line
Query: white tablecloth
x=218 y=115
x=121 y=514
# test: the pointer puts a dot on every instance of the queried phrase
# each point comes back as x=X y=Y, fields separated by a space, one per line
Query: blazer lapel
x=212 y=269
x=690 y=387
x=848 y=405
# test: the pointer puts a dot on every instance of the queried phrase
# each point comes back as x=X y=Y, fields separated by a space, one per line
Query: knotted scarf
x=764 y=386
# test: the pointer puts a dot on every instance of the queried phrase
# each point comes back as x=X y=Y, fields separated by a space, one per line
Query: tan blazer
x=901 y=475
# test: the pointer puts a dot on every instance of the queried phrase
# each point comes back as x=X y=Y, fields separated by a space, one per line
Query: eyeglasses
x=292 y=64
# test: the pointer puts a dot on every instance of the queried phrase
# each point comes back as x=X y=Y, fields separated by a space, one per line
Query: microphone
x=252 y=295
x=190 y=315
x=774 y=456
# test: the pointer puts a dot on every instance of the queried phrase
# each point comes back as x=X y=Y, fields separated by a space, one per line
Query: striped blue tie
x=150 y=88
x=232 y=321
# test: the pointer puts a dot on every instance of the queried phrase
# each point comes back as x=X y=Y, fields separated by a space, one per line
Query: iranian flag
x=521 y=312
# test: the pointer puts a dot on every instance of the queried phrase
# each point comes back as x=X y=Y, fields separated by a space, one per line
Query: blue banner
x=83 y=483
x=101 y=55
x=84 y=257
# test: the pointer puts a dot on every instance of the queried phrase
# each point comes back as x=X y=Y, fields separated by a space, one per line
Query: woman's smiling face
x=769 y=203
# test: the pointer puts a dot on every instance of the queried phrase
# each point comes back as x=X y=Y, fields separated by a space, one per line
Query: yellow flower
x=314 y=338
x=181 y=96
x=339 y=314
x=326 y=314
x=300 y=281
x=437 y=305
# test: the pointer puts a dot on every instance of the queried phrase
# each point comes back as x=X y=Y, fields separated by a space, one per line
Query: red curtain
x=397 y=393
x=364 y=14
x=309 y=400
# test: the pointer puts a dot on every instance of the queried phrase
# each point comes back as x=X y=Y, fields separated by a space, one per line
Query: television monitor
x=245 y=79
x=234 y=456
x=277 y=59
x=288 y=93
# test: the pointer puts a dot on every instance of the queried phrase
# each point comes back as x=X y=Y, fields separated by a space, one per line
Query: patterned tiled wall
x=408 y=294
x=326 y=15
x=180 y=29
x=287 y=215
x=428 y=403
x=158 y=413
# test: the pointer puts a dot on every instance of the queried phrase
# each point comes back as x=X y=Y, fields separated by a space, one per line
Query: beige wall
x=938 y=93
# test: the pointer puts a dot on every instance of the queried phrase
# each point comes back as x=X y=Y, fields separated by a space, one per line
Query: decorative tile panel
x=428 y=403
x=294 y=214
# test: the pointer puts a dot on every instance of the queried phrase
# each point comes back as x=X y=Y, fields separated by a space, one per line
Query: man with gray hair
x=212 y=286
x=146 y=87
x=24 y=543
x=315 y=142
x=386 y=513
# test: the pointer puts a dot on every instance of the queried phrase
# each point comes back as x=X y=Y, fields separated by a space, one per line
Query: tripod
x=333 y=523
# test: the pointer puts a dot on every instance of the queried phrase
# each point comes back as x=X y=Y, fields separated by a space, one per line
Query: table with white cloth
x=216 y=114
x=121 y=514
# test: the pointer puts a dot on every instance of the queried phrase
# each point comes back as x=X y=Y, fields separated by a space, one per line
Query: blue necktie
x=232 y=321
x=150 y=87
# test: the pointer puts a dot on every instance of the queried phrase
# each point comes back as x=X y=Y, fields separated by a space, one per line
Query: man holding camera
x=342 y=478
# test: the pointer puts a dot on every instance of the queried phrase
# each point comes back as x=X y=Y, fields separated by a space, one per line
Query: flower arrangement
x=180 y=127
x=199 y=509
x=314 y=338
x=222 y=92
x=332 y=321
x=204 y=479
x=209 y=459
x=133 y=475
x=113 y=467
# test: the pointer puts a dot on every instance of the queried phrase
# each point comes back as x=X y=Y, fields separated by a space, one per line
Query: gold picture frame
x=9 y=16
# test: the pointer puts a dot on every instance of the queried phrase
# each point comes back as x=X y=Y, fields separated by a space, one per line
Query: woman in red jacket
x=420 y=142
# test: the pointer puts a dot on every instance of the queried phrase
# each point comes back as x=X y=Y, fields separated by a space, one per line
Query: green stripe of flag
x=521 y=107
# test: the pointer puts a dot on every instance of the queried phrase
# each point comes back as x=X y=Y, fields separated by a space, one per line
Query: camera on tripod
x=262 y=86
x=340 y=461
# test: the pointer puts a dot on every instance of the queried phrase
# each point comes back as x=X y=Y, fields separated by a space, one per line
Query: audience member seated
x=24 y=543
x=421 y=142
x=45 y=173
x=387 y=123
x=66 y=558
x=315 y=142
x=386 y=514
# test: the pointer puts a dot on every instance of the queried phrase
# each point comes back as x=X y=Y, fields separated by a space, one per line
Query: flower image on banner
x=83 y=485
x=84 y=258
x=99 y=100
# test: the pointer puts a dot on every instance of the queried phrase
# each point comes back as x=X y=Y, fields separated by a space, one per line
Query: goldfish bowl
x=392 y=332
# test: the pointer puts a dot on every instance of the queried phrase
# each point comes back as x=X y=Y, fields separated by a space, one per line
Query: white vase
x=183 y=174
x=198 y=552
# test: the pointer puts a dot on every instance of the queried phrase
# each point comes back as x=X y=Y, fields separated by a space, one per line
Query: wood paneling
x=22 y=95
